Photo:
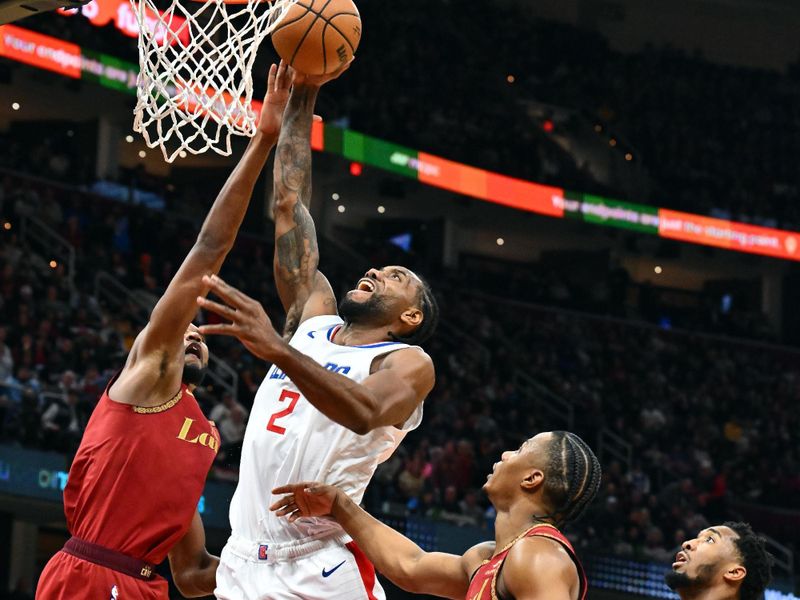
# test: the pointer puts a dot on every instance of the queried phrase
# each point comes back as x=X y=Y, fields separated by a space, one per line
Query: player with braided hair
x=724 y=562
x=548 y=482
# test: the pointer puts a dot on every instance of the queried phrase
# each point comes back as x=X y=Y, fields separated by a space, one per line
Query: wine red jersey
x=138 y=475
x=484 y=583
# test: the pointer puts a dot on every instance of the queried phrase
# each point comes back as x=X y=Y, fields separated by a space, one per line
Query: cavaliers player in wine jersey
x=135 y=483
x=549 y=481
x=724 y=562
x=338 y=399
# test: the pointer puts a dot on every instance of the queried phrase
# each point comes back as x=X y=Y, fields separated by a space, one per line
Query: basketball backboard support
x=13 y=10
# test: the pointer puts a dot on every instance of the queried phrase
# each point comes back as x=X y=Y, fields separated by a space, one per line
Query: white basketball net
x=195 y=83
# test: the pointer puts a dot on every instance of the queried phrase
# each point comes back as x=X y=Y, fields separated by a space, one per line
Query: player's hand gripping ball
x=318 y=37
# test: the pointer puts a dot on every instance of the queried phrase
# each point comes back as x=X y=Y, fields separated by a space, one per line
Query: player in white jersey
x=339 y=398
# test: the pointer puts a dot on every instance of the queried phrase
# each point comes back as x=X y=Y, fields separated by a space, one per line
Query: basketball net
x=195 y=83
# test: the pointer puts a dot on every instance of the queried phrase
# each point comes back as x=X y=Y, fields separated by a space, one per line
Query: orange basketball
x=318 y=36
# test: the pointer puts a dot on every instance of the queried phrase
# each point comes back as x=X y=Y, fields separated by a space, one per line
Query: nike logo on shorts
x=329 y=573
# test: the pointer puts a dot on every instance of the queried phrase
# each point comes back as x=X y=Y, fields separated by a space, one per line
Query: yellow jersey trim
x=149 y=410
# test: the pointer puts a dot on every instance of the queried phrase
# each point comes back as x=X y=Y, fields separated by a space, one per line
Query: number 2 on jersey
x=293 y=398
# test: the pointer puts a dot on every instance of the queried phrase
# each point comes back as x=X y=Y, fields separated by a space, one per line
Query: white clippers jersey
x=288 y=440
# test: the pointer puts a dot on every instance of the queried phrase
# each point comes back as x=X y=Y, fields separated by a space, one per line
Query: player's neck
x=511 y=523
x=353 y=334
x=708 y=593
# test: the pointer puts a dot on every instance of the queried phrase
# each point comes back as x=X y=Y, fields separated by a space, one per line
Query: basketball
x=318 y=36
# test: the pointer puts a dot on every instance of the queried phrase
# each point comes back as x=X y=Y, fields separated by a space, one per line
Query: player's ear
x=735 y=573
x=412 y=317
x=533 y=480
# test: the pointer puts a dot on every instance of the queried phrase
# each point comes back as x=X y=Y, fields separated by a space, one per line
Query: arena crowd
x=690 y=405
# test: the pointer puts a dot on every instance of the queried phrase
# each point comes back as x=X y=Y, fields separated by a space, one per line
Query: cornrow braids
x=430 y=318
x=572 y=478
x=755 y=559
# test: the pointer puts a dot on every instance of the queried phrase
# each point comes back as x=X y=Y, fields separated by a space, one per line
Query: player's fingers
x=220 y=329
x=280 y=503
x=294 y=516
x=223 y=311
x=227 y=292
x=290 y=488
x=317 y=118
x=282 y=81
x=344 y=67
x=273 y=76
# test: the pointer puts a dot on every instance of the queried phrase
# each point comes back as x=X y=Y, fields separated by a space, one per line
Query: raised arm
x=393 y=554
x=193 y=568
x=303 y=290
x=388 y=397
x=161 y=342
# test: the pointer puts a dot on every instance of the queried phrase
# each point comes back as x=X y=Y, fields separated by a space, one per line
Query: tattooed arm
x=303 y=290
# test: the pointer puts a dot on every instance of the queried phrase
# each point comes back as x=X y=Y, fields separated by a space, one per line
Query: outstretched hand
x=249 y=322
x=279 y=83
x=319 y=80
x=308 y=499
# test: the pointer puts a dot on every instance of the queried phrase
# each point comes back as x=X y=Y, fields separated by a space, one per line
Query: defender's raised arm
x=162 y=340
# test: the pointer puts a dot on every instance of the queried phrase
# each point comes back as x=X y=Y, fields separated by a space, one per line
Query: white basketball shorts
x=315 y=570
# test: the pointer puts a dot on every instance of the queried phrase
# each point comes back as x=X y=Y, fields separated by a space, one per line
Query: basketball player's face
x=381 y=295
x=515 y=465
x=195 y=349
x=704 y=559
x=195 y=357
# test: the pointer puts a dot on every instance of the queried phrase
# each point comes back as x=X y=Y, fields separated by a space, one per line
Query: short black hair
x=756 y=560
x=430 y=317
x=572 y=478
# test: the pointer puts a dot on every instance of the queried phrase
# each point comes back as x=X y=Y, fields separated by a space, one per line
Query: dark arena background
x=604 y=195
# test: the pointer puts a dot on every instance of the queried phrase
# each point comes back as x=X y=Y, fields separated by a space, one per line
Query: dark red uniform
x=484 y=583
x=133 y=489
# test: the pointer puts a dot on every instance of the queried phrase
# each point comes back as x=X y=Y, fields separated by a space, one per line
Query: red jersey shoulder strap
x=550 y=531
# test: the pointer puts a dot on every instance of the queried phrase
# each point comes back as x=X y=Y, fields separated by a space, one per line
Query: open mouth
x=680 y=558
x=194 y=350
x=365 y=285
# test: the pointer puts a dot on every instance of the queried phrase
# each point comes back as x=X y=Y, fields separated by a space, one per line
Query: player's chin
x=193 y=360
x=359 y=295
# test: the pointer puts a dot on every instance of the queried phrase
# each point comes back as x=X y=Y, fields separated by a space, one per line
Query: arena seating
x=59 y=346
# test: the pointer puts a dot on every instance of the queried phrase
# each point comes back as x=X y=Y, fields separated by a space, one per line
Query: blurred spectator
x=231 y=420
x=63 y=421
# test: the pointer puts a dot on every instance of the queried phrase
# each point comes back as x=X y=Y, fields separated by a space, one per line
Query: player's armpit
x=402 y=381
x=193 y=568
x=320 y=301
x=537 y=568
x=475 y=557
